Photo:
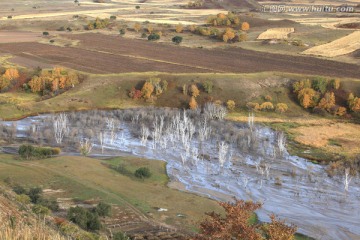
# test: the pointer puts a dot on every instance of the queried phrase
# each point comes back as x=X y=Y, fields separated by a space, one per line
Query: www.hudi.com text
x=312 y=8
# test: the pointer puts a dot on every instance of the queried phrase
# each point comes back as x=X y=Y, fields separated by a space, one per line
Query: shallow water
x=291 y=187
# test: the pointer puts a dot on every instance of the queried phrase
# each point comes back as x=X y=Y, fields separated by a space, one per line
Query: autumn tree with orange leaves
x=245 y=26
x=8 y=79
x=193 y=104
x=53 y=80
x=229 y=34
x=235 y=224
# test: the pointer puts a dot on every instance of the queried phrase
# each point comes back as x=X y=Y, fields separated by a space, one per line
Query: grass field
x=93 y=180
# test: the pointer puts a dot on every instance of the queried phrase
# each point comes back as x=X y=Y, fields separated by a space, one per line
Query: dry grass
x=15 y=225
x=332 y=137
x=276 y=33
x=23 y=231
x=338 y=47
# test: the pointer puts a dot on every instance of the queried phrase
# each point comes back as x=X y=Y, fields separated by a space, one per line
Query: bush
x=51 y=204
x=120 y=236
x=266 y=106
x=142 y=173
x=35 y=195
x=18 y=189
x=113 y=17
x=84 y=218
x=143 y=35
x=137 y=7
x=122 y=31
x=230 y=105
x=153 y=37
x=281 y=107
x=103 y=209
x=45 y=33
x=40 y=210
x=253 y=106
x=29 y=152
x=26 y=151
x=23 y=198
x=177 y=39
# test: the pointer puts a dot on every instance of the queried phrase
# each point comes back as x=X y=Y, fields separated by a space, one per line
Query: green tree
x=142 y=173
x=208 y=86
x=320 y=84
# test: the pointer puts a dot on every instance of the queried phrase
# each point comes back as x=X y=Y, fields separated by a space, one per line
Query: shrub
x=40 y=210
x=153 y=37
x=9 y=17
x=143 y=35
x=23 y=198
x=253 y=106
x=26 y=151
x=122 y=31
x=266 y=106
x=51 y=204
x=230 y=104
x=137 y=7
x=103 y=209
x=179 y=28
x=52 y=41
x=18 y=189
x=46 y=34
x=113 y=17
x=35 y=195
x=268 y=98
x=84 y=218
x=120 y=236
x=281 y=107
x=142 y=173
x=177 y=39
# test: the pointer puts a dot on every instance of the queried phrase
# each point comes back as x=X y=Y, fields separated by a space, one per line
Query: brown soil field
x=17 y=36
x=97 y=53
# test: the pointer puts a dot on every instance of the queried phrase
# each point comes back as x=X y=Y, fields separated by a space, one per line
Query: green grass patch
x=86 y=178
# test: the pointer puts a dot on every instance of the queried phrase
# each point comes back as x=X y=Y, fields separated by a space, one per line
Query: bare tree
x=60 y=124
x=347 y=179
x=215 y=111
x=281 y=142
x=145 y=132
x=102 y=138
x=223 y=150
x=251 y=121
